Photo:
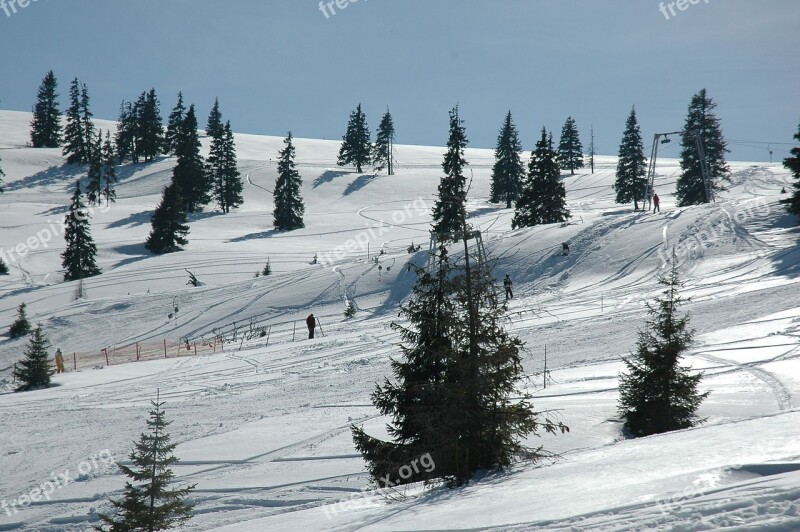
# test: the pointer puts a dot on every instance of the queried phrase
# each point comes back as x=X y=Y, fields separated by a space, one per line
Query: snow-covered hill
x=264 y=429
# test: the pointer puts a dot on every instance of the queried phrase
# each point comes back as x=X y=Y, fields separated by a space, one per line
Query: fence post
x=269 y=331
x=138 y=352
x=195 y=349
x=320 y=327
x=294 y=330
x=165 y=348
x=105 y=350
x=75 y=361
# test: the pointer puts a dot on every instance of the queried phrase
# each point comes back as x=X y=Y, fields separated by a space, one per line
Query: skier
x=656 y=203
x=59 y=361
x=783 y=190
x=508 y=284
x=311 y=322
x=564 y=249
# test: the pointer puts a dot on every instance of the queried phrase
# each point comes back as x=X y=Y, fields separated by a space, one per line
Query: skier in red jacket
x=656 y=203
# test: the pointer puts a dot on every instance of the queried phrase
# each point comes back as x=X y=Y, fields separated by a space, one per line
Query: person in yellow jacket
x=59 y=361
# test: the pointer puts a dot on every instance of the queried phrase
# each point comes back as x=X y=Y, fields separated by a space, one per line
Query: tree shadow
x=138 y=218
x=359 y=183
x=54 y=175
x=136 y=252
x=328 y=176
x=256 y=236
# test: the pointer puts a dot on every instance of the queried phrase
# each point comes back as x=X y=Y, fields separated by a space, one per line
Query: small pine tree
x=382 y=156
x=109 y=170
x=289 y=208
x=356 y=146
x=189 y=172
x=701 y=119
x=94 y=186
x=223 y=171
x=75 y=147
x=657 y=394
x=570 y=150
x=349 y=310
x=149 y=503
x=632 y=165
x=267 y=269
x=174 y=123
x=46 y=123
x=543 y=199
x=214 y=127
x=508 y=169
x=3 y=267
x=793 y=165
x=79 y=256
x=34 y=370
x=450 y=205
x=21 y=325
x=168 y=222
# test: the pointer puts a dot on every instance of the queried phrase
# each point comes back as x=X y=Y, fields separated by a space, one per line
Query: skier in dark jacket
x=311 y=321
x=656 y=203
x=508 y=284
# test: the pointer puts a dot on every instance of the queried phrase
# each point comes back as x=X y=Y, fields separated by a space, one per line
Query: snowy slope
x=264 y=429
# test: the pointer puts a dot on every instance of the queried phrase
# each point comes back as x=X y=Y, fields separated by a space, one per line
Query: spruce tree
x=632 y=165
x=3 y=267
x=34 y=370
x=570 y=150
x=149 y=127
x=289 y=208
x=450 y=205
x=125 y=138
x=46 y=123
x=75 y=147
x=382 y=156
x=223 y=171
x=356 y=146
x=544 y=198
x=267 y=269
x=508 y=169
x=169 y=229
x=79 y=256
x=701 y=119
x=88 y=125
x=149 y=503
x=109 y=170
x=94 y=186
x=174 y=123
x=189 y=172
x=793 y=165
x=215 y=128
x=658 y=394
x=21 y=325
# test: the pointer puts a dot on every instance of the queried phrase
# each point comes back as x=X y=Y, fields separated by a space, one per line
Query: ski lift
x=666 y=140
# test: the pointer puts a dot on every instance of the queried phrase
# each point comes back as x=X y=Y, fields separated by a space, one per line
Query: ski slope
x=263 y=430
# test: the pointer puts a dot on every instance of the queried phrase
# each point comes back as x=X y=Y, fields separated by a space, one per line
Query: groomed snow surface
x=263 y=430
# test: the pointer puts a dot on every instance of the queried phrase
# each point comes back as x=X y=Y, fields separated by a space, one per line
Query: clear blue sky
x=278 y=65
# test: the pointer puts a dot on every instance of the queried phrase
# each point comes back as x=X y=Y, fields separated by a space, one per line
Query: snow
x=263 y=426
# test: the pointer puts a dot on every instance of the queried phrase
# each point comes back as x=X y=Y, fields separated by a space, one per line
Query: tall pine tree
x=169 y=229
x=88 y=125
x=793 y=165
x=632 y=165
x=223 y=171
x=356 y=146
x=125 y=137
x=289 y=208
x=544 y=198
x=109 y=170
x=78 y=259
x=215 y=128
x=94 y=187
x=450 y=205
x=174 y=123
x=46 y=123
x=701 y=120
x=570 y=150
x=149 y=127
x=382 y=156
x=76 y=145
x=189 y=172
x=34 y=370
x=508 y=170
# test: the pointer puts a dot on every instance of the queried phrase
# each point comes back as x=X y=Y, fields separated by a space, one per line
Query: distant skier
x=564 y=249
x=656 y=203
x=311 y=322
x=508 y=284
x=783 y=190
x=59 y=361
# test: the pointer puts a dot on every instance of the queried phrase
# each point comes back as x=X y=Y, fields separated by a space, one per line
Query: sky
x=281 y=65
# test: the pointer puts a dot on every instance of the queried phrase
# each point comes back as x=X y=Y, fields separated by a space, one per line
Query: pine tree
x=34 y=370
x=544 y=198
x=168 y=222
x=701 y=120
x=88 y=125
x=75 y=149
x=793 y=165
x=94 y=187
x=21 y=325
x=174 y=123
x=215 y=128
x=632 y=165
x=149 y=127
x=125 y=138
x=570 y=150
x=382 y=156
x=149 y=503
x=3 y=267
x=657 y=394
x=289 y=208
x=267 y=269
x=109 y=170
x=508 y=170
x=189 y=172
x=223 y=171
x=356 y=146
x=79 y=257
x=46 y=123
x=450 y=205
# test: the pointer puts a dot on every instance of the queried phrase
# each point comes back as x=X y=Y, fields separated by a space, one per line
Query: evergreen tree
x=21 y=325
x=632 y=165
x=109 y=170
x=356 y=146
x=657 y=394
x=570 y=150
x=382 y=156
x=174 y=123
x=34 y=370
x=189 y=172
x=125 y=138
x=88 y=125
x=75 y=148
x=267 y=269
x=46 y=123
x=3 y=267
x=215 y=128
x=450 y=205
x=79 y=257
x=223 y=172
x=544 y=198
x=702 y=120
x=508 y=169
x=289 y=208
x=94 y=187
x=149 y=128
x=149 y=503
x=168 y=222
x=793 y=165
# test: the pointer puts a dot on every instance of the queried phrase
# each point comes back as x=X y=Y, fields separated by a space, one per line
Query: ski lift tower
x=439 y=239
x=651 y=170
